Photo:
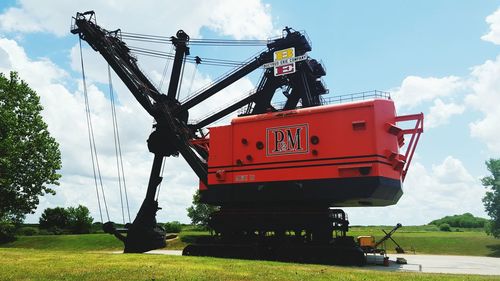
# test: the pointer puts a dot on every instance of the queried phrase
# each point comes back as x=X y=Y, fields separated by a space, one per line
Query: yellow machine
x=368 y=244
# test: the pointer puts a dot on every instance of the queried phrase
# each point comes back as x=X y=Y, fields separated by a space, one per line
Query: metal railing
x=374 y=94
x=367 y=95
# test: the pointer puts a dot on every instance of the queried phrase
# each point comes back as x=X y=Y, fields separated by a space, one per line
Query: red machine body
x=336 y=155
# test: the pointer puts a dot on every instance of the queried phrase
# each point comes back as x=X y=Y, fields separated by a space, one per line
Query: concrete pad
x=418 y=263
x=158 y=252
x=442 y=264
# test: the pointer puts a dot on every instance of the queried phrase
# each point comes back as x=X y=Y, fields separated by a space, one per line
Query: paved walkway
x=166 y=252
x=422 y=263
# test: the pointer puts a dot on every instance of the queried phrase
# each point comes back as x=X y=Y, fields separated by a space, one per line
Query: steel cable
x=93 y=150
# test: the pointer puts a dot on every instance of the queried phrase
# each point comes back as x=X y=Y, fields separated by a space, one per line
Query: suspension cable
x=194 y=41
x=165 y=70
x=181 y=78
x=119 y=145
x=113 y=118
x=198 y=61
x=190 y=59
x=93 y=150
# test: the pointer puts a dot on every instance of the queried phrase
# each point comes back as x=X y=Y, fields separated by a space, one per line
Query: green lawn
x=90 y=257
x=83 y=242
x=471 y=242
x=29 y=264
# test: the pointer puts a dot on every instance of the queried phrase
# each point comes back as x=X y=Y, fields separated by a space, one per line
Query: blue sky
x=436 y=57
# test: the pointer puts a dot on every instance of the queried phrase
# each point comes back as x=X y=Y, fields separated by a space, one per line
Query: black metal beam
x=224 y=112
x=116 y=54
x=181 y=50
x=223 y=83
x=293 y=100
x=266 y=93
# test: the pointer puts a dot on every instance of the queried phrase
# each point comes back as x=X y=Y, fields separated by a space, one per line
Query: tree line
x=466 y=220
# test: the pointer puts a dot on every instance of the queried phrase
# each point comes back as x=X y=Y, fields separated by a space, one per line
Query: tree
x=199 y=213
x=73 y=220
x=492 y=198
x=54 y=220
x=29 y=156
x=79 y=220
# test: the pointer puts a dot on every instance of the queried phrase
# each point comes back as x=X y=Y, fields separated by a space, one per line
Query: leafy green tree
x=79 y=219
x=73 y=220
x=199 y=213
x=29 y=156
x=54 y=220
x=172 y=227
x=492 y=198
x=466 y=220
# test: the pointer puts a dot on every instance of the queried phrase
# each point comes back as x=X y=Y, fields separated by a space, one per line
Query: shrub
x=173 y=227
x=445 y=227
x=55 y=230
x=7 y=231
x=96 y=227
x=28 y=231
x=44 y=232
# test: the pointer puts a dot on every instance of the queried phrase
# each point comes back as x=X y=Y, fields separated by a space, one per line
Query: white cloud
x=415 y=90
x=485 y=97
x=240 y=19
x=15 y=19
x=12 y=54
x=447 y=189
x=440 y=113
x=449 y=96
x=494 y=34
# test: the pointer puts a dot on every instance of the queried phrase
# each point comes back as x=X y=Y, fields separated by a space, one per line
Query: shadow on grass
x=495 y=250
x=189 y=238
x=193 y=238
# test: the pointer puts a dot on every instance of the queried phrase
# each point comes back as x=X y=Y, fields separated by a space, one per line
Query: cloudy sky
x=437 y=57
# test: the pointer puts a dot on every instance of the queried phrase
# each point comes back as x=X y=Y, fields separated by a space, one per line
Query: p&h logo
x=286 y=140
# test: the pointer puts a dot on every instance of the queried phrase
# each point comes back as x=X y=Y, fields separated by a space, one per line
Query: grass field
x=29 y=264
x=89 y=257
x=470 y=242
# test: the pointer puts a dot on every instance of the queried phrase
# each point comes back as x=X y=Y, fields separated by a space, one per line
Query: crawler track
x=305 y=235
